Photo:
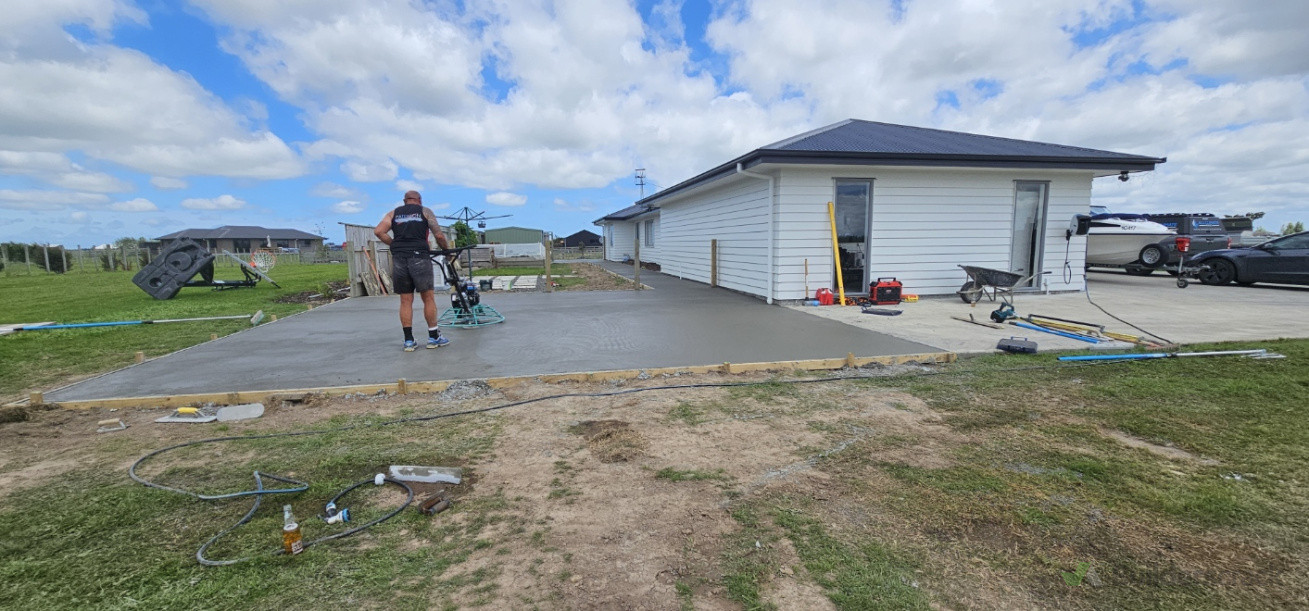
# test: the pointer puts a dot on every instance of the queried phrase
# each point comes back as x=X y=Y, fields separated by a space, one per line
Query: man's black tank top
x=408 y=231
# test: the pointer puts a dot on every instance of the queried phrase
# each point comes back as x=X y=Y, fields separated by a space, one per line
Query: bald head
x=412 y=197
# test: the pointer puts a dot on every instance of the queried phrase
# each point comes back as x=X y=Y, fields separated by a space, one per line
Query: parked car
x=1284 y=260
x=1205 y=231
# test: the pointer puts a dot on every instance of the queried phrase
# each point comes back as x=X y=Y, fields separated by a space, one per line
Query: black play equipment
x=466 y=307
x=173 y=269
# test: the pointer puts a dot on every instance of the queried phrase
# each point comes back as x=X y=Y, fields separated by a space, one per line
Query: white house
x=909 y=203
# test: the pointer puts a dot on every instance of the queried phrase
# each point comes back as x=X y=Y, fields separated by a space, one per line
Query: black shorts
x=411 y=273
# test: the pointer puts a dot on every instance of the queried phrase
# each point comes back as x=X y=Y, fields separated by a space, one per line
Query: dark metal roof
x=856 y=142
x=241 y=232
x=626 y=213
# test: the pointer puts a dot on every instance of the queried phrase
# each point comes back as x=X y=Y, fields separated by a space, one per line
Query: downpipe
x=772 y=213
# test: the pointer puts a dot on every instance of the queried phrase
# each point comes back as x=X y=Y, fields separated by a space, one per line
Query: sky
x=138 y=118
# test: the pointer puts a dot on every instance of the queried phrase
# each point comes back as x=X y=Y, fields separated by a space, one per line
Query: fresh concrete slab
x=525 y=283
x=502 y=283
x=1196 y=314
x=675 y=323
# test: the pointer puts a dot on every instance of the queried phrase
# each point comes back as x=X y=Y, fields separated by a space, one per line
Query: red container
x=1183 y=244
x=886 y=291
x=824 y=296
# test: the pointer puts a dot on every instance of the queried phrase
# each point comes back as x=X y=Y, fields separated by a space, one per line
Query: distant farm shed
x=245 y=238
x=910 y=202
x=583 y=238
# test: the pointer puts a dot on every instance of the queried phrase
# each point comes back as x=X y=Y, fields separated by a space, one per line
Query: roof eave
x=1113 y=165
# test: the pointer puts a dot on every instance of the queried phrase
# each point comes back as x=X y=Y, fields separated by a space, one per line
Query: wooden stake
x=713 y=262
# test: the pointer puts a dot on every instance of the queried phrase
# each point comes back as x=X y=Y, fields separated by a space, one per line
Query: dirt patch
x=1168 y=452
x=596 y=278
x=611 y=440
x=336 y=289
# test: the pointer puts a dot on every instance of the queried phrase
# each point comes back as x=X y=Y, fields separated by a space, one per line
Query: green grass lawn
x=37 y=360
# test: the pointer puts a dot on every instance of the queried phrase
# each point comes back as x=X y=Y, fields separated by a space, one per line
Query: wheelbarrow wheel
x=970 y=293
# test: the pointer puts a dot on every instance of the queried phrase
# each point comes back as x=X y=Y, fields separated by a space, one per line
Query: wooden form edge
x=402 y=386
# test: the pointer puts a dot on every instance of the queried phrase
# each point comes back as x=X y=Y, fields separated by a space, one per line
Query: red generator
x=886 y=291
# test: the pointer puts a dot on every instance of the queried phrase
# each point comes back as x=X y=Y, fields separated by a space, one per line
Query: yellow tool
x=836 y=252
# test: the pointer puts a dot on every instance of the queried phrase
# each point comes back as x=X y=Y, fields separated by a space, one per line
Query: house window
x=609 y=233
x=649 y=233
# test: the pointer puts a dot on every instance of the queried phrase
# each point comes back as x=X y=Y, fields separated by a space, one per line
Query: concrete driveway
x=675 y=323
x=1196 y=314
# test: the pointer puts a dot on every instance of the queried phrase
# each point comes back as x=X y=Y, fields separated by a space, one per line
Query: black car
x=1284 y=260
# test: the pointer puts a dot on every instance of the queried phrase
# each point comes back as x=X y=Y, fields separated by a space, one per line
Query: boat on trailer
x=1116 y=239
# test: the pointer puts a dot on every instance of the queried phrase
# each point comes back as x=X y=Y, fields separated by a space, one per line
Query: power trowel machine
x=466 y=307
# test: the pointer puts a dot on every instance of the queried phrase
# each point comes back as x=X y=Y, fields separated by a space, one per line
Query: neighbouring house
x=245 y=238
x=582 y=238
x=908 y=202
x=513 y=235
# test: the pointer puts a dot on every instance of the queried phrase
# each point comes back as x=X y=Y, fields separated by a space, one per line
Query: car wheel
x=1219 y=272
x=1137 y=270
x=1153 y=256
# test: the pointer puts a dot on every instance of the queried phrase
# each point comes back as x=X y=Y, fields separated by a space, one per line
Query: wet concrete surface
x=675 y=323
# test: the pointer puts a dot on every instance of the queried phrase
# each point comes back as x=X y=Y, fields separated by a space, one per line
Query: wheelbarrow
x=992 y=283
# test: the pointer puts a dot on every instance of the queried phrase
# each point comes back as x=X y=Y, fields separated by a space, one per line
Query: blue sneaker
x=410 y=345
x=436 y=342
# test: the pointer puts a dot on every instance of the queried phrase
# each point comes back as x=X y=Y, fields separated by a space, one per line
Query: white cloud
x=333 y=190
x=78 y=216
x=395 y=89
x=348 y=207
x=167 y=183
x=222 y=202
x=91 y=181
x=139 y=204
x=361 y=171
x=506 y=199
x=34 y=199
x=120 y=105
x=408 y=185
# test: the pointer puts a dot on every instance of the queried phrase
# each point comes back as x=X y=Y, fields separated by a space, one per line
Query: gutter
x=772 y=255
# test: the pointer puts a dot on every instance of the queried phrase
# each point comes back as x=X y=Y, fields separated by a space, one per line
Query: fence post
x=27 y=258
x=549 y=283
x=636 y=256
x=713 y=262
x=4 y=257
x=46 y=250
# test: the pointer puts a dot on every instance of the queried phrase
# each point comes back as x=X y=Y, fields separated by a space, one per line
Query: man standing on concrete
x=411 y=263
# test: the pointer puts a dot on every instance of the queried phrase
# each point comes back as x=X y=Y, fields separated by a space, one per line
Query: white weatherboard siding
x=624 y=235
x=735 y=213
x=926 y=222
x=622 y=244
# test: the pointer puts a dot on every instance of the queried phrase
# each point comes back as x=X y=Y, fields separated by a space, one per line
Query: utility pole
x=640 y=180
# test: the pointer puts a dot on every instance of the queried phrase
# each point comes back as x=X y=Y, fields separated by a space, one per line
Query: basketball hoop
x=263 y=259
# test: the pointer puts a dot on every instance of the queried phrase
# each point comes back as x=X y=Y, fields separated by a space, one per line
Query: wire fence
x=32 y=259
